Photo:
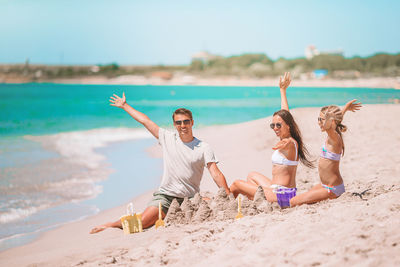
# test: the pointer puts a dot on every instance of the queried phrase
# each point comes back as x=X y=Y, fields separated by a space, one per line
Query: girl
x=330 y=121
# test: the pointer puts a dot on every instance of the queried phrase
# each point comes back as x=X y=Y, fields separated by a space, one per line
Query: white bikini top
x=278 y=158
x=325 y=153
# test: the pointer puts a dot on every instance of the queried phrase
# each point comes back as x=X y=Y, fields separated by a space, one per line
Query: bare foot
x=97 y=229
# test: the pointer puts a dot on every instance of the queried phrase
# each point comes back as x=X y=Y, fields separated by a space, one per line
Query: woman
x=330 y=121
x=288 y=152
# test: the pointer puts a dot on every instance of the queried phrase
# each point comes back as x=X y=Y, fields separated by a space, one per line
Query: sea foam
x=71 y=177
x=79 y=146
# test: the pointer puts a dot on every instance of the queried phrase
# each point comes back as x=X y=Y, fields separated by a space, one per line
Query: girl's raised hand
x=352 y=106
x=285 y=82
x=117 y=101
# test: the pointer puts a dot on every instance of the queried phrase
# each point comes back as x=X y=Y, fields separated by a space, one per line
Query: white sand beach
x=353 y=230
x=373 y=82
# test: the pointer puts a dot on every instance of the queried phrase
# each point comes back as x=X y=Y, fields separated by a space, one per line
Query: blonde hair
x=334 y=112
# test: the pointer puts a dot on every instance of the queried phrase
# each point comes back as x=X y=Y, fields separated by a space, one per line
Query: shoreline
x=375 y=82
x=115 y=190
x=374 y=218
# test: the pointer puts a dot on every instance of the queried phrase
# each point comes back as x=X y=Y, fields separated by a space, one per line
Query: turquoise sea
x=38 y=109
x=61 y=145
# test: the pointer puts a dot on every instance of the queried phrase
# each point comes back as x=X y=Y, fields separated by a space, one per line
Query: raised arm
x=140 y=117
x=352 y=106
x=218 y=177
x=283 y=85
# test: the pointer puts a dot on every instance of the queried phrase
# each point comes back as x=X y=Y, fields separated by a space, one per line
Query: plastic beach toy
x=284 y=194
x=131 y=222
x=239 y=215
x=160 y=221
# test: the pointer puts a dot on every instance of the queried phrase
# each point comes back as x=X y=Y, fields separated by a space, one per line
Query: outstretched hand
x=117 y=101
x=281 y=144
x=352 y=106
x=285 y=82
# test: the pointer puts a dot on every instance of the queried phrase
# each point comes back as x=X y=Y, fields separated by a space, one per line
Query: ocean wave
x=79 y=146
x=76 y=190
x=15 y=214
x=71 y=177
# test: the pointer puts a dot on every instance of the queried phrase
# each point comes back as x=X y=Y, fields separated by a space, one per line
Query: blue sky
x=170 y=31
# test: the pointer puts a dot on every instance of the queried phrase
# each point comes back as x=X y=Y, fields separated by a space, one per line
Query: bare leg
x=249 y=189
x=259 y=179
x=243 y=187
x=149 y=217
x=269 y=194
x=315 y=194
x=116 y=224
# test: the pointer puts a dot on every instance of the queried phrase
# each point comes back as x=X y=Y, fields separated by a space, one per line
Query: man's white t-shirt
x=183 y=164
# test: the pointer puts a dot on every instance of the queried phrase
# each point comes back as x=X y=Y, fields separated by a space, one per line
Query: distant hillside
x=246 y=65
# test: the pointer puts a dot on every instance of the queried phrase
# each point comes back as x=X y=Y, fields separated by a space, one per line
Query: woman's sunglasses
x=320 y=119
x=278 y=125
x=186 y=122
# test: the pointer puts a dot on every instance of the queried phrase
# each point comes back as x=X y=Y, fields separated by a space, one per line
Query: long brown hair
x=336 y=114
x=296 y=134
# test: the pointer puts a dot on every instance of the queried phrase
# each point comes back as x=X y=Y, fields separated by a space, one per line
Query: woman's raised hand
x=352 y=106
x=117 y=101
x=285 y=82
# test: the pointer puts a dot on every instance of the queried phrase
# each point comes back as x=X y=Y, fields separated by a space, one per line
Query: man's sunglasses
x=278 y=125
x=186 y=122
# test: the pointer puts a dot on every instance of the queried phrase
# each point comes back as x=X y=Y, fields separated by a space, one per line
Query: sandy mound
x=220 y=207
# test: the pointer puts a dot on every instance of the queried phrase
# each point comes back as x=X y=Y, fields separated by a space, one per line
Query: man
x=184 y=157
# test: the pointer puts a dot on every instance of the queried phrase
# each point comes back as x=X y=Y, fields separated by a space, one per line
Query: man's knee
x=150 y=216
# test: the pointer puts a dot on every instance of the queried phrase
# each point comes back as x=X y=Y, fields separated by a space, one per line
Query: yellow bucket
x=131 y=223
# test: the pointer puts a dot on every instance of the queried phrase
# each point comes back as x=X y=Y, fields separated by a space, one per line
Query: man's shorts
x=165 y=200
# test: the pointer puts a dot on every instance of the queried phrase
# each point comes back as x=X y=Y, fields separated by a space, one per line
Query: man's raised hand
x=117 y=101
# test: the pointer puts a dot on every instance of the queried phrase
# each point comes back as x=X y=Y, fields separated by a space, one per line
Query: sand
x=220 y=207
x=372 y=82
x=361 y=228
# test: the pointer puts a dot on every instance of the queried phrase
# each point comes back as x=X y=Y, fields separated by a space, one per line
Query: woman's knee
x=235 y=187
x=294 y=202
x=251 y=176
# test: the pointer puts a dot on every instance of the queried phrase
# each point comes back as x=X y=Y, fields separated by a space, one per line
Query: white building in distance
x=311 y=51
x=203 y=56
